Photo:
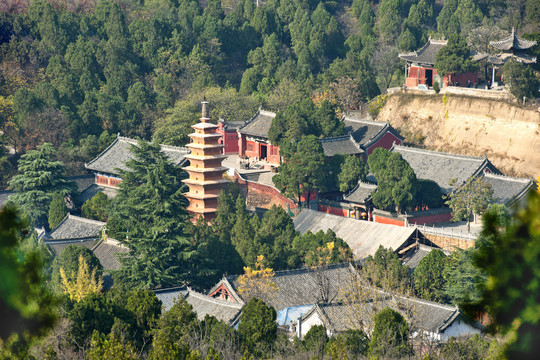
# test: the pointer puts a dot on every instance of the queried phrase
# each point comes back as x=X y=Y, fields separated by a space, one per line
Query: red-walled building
x=253 y=139
x=370 y=135
x=420 y=68
x=229 y=133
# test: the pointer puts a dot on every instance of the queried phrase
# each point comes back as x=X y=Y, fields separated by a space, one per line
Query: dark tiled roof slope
x=118 y=153
x=340 y=145
x=259 y=124
x=306 y=286
x=366 y=132
x=205 y=305
x=232 y=125
x=507 y=190
x=57 y=246
x=75 y=227
x=168 y=296
x=443 y=167
x=413 y=258
x=426 y=54
x=425 y=315
x=83 y=181
x=361 y=193
x=108 y=253
x=513 y=42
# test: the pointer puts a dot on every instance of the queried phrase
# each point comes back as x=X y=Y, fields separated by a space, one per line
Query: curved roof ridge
x=83 y=219
x=439 y=153
x=104 y=151
x=267 y=112
x=173 y=147
x=191 y=292
x=511 y=178
x=370 y=122
x=336 y=138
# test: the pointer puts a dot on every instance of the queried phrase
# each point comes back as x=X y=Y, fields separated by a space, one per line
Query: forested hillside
x=75 y=73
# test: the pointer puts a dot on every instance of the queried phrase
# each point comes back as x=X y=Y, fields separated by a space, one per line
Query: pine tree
x=40 y=175
x=57 y=210
x=149 y=216
x=428 y=276
x=352 y=170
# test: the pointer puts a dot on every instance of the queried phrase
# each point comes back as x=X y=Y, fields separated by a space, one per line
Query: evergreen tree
x=386 y=271
x=68 y=260
x=352 y=170
x=455 y=57
x=149 y=216
x=96 y=208
x=57 y=210
x=257 y=328
x=428 y=276
x=396 y=182
x=390 y=337
x=523 y=82
x=39 y=176
x=462 y=278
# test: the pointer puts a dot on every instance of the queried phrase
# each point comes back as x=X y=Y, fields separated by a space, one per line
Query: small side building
x=253 y=139
x=370 y=135
x=420 y=68
x=229 y=135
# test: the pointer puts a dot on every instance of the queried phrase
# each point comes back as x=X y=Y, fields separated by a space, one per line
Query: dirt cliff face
x=508 y=134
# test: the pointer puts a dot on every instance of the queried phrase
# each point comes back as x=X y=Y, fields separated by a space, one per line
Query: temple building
x=253 y=139
x=510 y=47
x=420 y=68
x=205 y=170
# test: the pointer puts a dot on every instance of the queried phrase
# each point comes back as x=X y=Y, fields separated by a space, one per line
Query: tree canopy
x=455 y=57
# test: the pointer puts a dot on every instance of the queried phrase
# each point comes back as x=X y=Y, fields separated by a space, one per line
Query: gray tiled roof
x=416 y=255
x=57 y=246
x=366 y=132
x=361 y=193
x=168 y=296
x=91 y=191
x=118 y=153
x=424 y=315
x=83 y=181
x=426 y=54
x=340 y=145
x=513 y=42
x=232 y=125
x=443 y=167
x=507 y=190
x=108 y=252
x=221 y=309
x=262 y=177
x=259 y=124
x=363 y=237
x=74 y=227
x=305 y=286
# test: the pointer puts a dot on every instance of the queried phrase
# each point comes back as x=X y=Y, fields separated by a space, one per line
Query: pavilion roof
x=340 y=145
x=506 y=189
x=259 y=124
x=426 y=54
x=361 y=193
x=513 y=42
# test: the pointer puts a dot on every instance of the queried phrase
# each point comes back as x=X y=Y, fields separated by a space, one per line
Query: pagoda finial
x=204 y=108
x=513 y=31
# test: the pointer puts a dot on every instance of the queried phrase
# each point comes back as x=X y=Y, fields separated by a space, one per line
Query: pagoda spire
x=205 y=169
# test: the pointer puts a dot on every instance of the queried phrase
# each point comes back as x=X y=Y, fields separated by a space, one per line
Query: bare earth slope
x=508 y=134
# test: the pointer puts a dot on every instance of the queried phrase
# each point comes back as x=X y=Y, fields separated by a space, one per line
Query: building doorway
x=264 y=152
x=429 y=77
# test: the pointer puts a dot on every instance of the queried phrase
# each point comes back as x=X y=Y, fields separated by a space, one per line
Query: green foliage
x=436 y=87
x=429 y=194
x=429 y=282
x=303 y=168
x=472 y=197
x=316 y=339
x=501 y=212
x=509 y=256
x=455 y=57
x=68 y=260
x=386 y=271
x=257 y=328
x=474 y=348
x=149 y=216
x=390 y=337
x=522 y=79
x=396 y=182
x=57 y=210
x=109 y=348
x=462 y=278
x=321 y=248
x=352 y=170
x=40 y=175
x=26 y=307
x=96 y=208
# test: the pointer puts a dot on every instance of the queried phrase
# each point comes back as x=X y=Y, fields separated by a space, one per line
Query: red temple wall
x=230 y=140
x=386 y=141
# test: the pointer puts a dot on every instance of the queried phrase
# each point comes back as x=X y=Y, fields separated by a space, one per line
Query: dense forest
x=76 y=73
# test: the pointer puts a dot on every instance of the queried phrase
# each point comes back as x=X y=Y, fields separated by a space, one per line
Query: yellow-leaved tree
x=84 y=283
x=257 y=282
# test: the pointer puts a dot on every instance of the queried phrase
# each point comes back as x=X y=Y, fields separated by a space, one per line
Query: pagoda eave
x=205 y=157
x=221 y=169
x=206 y=182
x=191 y=195
x=201 y=210
x=205 y=146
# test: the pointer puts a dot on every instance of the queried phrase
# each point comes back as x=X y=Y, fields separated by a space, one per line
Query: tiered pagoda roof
x=205 y=170
x=513 y=42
